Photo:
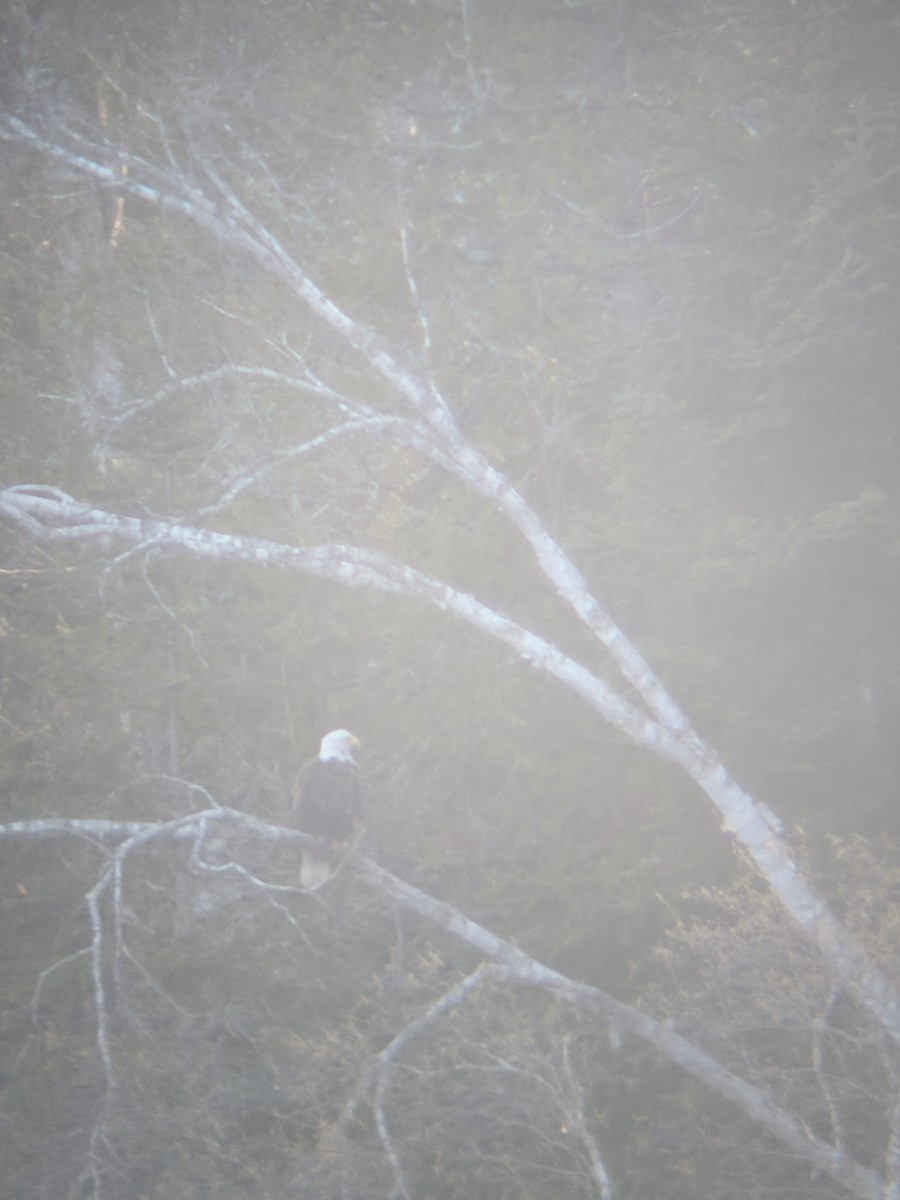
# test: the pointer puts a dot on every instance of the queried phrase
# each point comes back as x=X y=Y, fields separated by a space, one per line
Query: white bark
x=49 y=513
x=660 y=726
x=508 y=963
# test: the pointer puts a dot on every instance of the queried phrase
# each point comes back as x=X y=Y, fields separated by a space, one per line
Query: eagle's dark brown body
x=327 y=804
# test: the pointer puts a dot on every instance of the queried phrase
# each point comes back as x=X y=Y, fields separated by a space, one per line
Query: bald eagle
x=327 y=803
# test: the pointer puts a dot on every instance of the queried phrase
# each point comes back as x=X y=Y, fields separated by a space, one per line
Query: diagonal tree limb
x=53 y=515
x=506 y=961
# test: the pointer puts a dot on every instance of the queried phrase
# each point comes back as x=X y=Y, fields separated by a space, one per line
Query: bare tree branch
x=754 y=1102
x=51 y=514
x=576 y=1120
x=451 y=999
x=508 y=963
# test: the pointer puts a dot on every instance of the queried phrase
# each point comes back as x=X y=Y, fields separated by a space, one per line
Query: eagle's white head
x=340 y=744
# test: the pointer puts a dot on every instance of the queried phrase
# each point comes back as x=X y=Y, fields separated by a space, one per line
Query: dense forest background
x=649 y=253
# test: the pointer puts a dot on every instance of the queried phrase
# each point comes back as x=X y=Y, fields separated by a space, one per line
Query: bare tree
x=364 y=397
x=208 y=834
x=429 y=428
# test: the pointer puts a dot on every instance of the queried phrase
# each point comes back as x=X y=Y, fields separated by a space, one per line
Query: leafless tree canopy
x=515 y=387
